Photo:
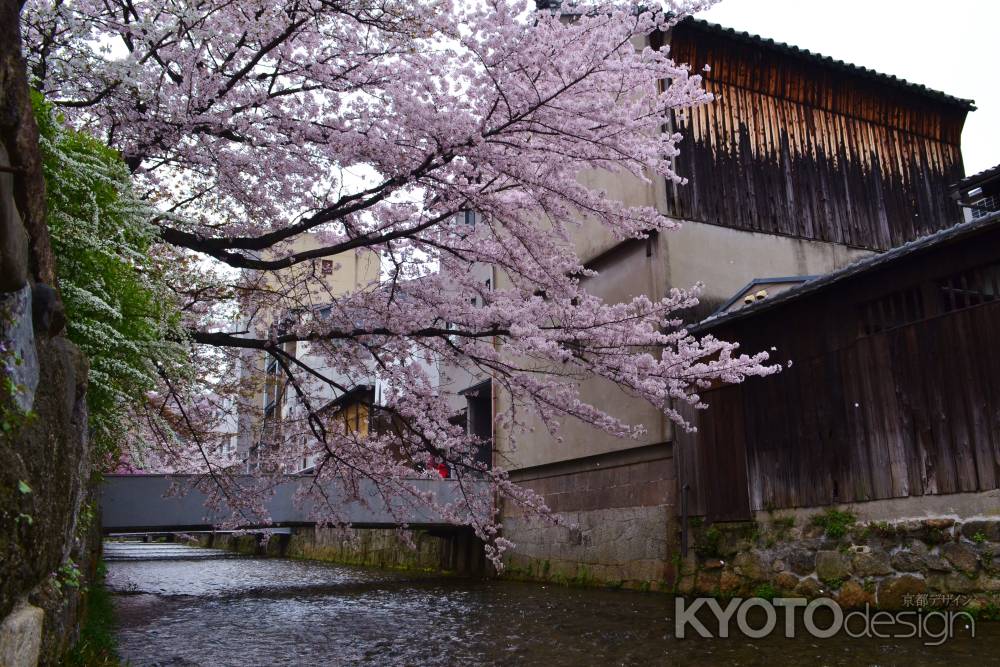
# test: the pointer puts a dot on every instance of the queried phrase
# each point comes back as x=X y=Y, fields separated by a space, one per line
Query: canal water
x=183 y=606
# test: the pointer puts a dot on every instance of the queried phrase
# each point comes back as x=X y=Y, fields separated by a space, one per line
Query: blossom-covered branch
x=373 y=127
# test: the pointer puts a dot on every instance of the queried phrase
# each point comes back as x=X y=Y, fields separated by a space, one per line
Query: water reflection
x=250 y=611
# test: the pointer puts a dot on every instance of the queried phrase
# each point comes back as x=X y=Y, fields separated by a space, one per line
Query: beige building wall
x=723 y=259
x=311 y=285
x=620 y=494
x=320 y=279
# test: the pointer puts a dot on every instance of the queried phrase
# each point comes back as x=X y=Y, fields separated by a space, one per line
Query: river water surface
x=180 y=605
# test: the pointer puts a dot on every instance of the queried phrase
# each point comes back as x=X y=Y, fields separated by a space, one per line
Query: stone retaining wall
x=48 y=529
x=417 y=550
x=928 y=562
x=618 y=509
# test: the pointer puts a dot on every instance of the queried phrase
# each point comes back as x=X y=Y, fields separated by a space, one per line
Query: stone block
x=961 y=556
x=21 y=637
x=730 y=583
x=832 y=566
x=809 y=588
x=936 y=563
x=752 y=564
x=707 y=582
x=906 y=561
x=13 y=236
x=987 y=529
x=19 y=334
x=871 y=564
x=813 y=531
x=931 y=531
x=801 y=562
x=954 y=582
x=853 y=596
x=786 y=582
x=895 y=592
x=988 y=583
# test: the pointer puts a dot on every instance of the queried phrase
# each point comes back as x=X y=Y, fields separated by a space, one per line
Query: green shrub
x=707 y=545
x=834 y=583
x=96 y=646
x=835 y=523
x=765 y=591
x=112 y=277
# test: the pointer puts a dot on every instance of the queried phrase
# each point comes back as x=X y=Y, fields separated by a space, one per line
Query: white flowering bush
x=112 y=278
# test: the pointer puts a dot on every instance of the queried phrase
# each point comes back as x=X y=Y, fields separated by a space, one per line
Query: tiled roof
x=760 y=281
x=791 y=49
x=978 y=178
x=832 y=62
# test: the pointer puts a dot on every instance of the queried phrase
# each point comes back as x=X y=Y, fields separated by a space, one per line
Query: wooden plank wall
x=907 y=412
x=792 y=147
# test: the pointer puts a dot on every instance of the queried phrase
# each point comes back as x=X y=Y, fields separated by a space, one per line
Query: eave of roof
x=758 y=40
x=759 y=281
x=857 y=70
x=923 y=244
x=975 y=179
x=351 y=395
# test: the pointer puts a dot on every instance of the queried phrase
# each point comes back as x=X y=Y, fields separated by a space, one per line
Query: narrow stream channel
x=180 y=605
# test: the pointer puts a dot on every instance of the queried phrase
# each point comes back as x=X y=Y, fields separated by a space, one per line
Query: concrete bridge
x=145 y=503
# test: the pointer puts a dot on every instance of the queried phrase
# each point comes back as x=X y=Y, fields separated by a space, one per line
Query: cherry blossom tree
x=374 y=124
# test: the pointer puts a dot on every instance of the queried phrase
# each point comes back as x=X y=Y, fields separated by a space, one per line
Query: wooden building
x=802 y=145
x=891 y=385
x=801 y=166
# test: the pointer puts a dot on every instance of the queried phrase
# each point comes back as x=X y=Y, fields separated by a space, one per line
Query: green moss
x=766 y=591
x=835 y=523
x=937 y=536
x=97 y=646
x=979 y=537
x=707 y=544
x=879 y=528
x=988 y=612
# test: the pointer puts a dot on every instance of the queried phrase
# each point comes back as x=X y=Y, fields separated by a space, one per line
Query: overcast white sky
x=948 y=46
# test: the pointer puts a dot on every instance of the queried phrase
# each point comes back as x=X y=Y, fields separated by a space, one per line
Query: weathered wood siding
x=905 y=406
x=794 y=147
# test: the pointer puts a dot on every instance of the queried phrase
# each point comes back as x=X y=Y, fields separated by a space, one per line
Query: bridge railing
x=132 y=503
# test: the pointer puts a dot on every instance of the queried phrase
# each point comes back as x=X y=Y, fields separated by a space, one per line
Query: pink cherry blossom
x=371 y=124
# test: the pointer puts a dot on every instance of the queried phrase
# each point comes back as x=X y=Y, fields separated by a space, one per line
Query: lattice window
x=971 y=287
x=891 y=311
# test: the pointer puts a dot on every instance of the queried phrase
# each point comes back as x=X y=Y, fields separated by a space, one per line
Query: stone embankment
x=47 y=520
x=919 y=563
